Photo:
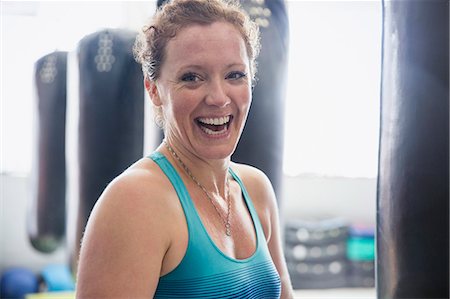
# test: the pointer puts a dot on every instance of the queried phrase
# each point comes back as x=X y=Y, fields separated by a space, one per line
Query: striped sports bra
x=205 y=271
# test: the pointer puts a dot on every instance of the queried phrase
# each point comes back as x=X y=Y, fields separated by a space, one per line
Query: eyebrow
x=197 y=66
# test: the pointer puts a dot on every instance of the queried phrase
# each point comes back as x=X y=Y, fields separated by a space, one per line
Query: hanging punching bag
x=47 y=210
x=111 y=116
x=261 y=144
x=413 y=182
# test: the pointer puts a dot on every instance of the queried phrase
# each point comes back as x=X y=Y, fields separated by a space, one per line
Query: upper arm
x=265 y=202
x=276 y=250
x=123 y=245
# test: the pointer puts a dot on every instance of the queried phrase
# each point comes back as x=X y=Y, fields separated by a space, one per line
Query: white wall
x=353 y=199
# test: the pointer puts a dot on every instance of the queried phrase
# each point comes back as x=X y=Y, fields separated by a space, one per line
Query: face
x=204 y=89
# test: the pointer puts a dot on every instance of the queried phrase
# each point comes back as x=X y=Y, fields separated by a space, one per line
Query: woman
x=186 y=222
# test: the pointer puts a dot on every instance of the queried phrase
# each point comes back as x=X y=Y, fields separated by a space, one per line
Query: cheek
x=181 y=104
x=245 y=99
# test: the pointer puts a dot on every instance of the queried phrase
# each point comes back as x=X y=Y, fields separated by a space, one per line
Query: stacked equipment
x=316 y=253
x=361 y=257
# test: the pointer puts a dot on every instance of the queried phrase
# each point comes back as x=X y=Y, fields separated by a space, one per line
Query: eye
x=190 y=77
x=236 y=75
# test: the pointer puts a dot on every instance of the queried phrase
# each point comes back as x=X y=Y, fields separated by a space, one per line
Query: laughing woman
x=187 y=222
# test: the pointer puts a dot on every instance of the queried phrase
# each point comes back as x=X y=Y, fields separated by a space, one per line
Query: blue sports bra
x=205 y=271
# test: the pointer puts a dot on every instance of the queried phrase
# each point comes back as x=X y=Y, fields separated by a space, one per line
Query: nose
x=217 y=94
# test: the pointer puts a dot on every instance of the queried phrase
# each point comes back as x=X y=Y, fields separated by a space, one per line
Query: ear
x=153 y=92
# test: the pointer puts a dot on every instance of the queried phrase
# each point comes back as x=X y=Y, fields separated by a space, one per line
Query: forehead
x=216 y=43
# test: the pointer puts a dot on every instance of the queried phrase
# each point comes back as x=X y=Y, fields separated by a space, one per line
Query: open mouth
x=214 y=126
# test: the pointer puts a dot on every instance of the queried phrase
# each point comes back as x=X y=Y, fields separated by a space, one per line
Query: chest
x=214 y=213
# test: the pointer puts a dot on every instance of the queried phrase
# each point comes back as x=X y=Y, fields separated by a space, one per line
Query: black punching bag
x=261 y=144
x=413 y=182
x=111 y=115
x=47 y=210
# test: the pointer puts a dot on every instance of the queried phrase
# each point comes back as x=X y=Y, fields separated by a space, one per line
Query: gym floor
x=359 y=293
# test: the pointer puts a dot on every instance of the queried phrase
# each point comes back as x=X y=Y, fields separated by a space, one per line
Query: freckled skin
x=199 y=83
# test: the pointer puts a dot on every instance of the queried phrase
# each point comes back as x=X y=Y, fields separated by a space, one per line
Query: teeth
x=211 y=132
x=215 y=121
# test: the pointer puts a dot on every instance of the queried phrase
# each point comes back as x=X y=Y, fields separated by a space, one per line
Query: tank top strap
x=251 y=208
x=196 y=228
x=180 y=188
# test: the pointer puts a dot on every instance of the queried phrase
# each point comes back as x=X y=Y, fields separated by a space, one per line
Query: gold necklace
x=226 y=221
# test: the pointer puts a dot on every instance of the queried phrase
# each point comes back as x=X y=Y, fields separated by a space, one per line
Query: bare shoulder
x=139 y=191
x=261 y=193
x=127 y=235
x=142 y=183
x=256 y=182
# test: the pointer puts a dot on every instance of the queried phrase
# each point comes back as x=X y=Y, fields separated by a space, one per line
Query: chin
x=217 y=153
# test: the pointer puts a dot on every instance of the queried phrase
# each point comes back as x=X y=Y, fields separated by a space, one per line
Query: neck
x=212 y=174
